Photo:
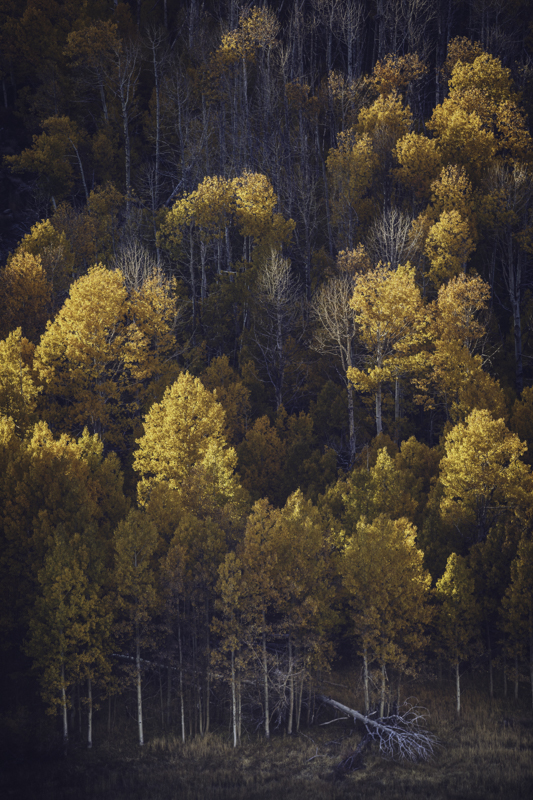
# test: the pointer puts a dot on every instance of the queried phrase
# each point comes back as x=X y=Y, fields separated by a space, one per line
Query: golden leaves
x=184 y=447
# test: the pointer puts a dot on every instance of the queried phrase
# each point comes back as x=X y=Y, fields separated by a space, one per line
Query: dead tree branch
x=400 y=737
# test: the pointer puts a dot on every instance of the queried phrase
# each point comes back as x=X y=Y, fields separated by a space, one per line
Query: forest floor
x=487 y=754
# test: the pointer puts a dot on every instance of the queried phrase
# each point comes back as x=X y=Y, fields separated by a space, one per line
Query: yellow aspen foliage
x=93 y=232
x=106 y=354
x=419 y=163
x=481 y=112
x=261 y=461
x=259 y=28
x=54 y=250
x=521 y=421
x=461 y=310
x=255 y=201
x=460 y=49
x=135 y=543
x=483 y=475
x=24 y=296
x=70 y=626
x=392 y=323
x=211 y=206
x=457 y=616
x=183 y=446
x=517 y=605
x=19 y=388
x=379 y=490
x=296 y=543
x=256 y=30
x=351 y=167
x=395 y=73
x=77 y=357
x=104 y=206
x=462 y=139
x=233 y=395
x=457 y=377
x=386 y=121
x=448 y=246
x=387 y=589
x=452 y=191
x=247 y=202
x=150 y=345
x=54 y=155
x=351 y=262
x=48 y=482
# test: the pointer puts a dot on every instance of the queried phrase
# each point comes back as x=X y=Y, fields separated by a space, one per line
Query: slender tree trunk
x=89 y=713
x=516 y=677
x=491 y=671
x=505 y=672
x=383 y=684
x=139 y=685
x=365 y=680
x=299 y=698
x=379 y=425
x=457 y=688
x=291 y=690
x=531 y=658
x=169 y=690
x=234 y=699
x=397 y=408
x=182 y=699
x=351 y=422
x=265 y=682
x=208 y=671
x=64 y=708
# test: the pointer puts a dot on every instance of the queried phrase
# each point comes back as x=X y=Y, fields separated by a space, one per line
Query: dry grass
x=479 y=758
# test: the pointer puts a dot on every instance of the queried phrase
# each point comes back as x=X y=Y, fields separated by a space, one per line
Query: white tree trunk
x=139 y=687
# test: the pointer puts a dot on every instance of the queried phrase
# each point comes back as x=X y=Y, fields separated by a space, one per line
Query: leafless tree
x=350 y=24
x=335 y=333
x=390 y=239
x=136 y=264
x=277 y=321
x=400 y=737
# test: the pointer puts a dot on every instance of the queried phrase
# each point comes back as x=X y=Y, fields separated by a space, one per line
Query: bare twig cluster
x=400 y=736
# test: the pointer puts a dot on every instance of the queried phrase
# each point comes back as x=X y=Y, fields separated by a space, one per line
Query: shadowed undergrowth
x=479 y=757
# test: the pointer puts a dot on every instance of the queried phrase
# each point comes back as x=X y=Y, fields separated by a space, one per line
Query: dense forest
x=266 y=356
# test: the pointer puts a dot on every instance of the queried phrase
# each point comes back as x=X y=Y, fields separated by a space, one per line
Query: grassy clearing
x=479 y=758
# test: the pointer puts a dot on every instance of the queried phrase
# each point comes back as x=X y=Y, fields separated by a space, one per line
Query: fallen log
x=400 y=736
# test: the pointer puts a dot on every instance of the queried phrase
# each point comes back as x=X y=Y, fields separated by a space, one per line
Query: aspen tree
x=19 y=388
x=483 y=475
x=70 y=627
x=107 y=353
x=456 y=378
x=448 y=246
x=232 y=394
x=197 y=548
x=393 y=341
x=518 y=605
x=135 y=542
x=24 y=296
x=183 y=446
x=457 y=616
x=419 y=163
x=387 y=590
x=57 y=257
x=47 y=483
x=52 y=156
x=335 y=334
x=229 y=626
x=351 y=168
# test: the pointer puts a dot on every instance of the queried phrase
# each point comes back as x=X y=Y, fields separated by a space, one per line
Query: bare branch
x=400 y=736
